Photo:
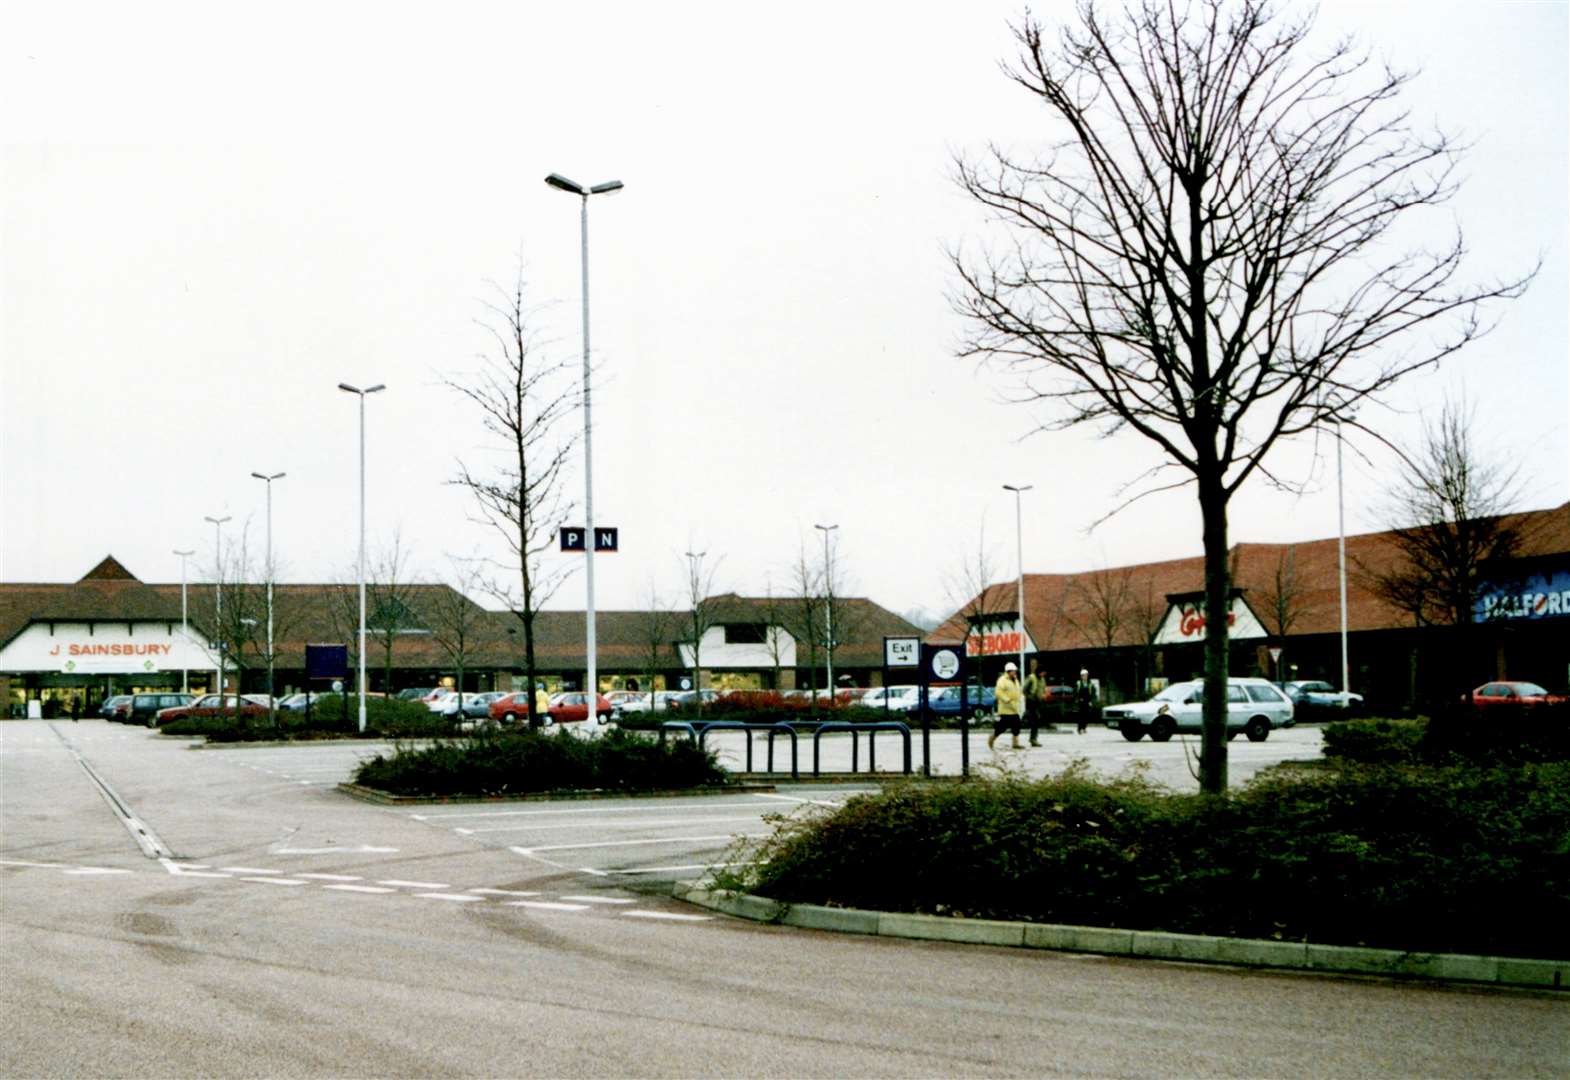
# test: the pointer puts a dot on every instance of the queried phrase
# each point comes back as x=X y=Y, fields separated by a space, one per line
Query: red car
x=511 y=708
x=574 y=708
x=1518 y=694
x=212 y=705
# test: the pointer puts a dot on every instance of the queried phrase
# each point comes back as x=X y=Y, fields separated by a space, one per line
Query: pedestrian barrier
x=700 y=729
x=855 y=744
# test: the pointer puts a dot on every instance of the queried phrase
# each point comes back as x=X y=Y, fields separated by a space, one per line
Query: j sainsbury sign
x=74 y=649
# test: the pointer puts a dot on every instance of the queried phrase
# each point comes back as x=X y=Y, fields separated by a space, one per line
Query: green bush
x=1500 y=735
x=1461 y=859
x=500 y=762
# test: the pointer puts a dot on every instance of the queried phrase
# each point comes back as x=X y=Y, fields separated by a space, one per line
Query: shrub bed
x=385 y=718
x=1460 y=859
x=518 y=762
x=1500 y=735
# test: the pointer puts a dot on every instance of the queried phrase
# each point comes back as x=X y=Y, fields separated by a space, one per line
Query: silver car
x=1254 y=707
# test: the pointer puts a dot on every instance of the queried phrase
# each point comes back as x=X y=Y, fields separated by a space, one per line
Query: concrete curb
x=386 y=798
x=1144 y=944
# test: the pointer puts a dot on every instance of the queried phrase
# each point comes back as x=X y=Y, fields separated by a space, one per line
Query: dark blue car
x=943 y=701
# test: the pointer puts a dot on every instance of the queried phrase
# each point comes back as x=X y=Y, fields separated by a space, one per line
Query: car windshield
x=1176 y=692
x=1529 y=689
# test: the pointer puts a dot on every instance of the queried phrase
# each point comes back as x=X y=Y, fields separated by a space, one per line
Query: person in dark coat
x=1085 y=700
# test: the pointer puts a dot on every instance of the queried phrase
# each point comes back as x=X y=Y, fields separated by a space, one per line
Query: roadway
x=229 y=912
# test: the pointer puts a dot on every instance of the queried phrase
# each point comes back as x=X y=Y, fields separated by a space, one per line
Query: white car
x=1321 y=695
x=1254 y=707
x=895 y=699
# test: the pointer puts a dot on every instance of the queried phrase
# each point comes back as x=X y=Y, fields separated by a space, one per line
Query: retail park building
x=1132 y=627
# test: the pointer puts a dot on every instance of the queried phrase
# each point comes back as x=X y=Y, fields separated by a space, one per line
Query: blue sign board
x=1544 y=595
x=326 y=661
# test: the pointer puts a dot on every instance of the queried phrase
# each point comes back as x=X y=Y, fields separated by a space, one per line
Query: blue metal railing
x=855 y=743
x=699 y=730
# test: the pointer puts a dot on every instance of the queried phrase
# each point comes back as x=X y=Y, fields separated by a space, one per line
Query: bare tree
x=390 y=611
x=702 y=612
x=778 y=614
x=1147 y=609
x=1206 y=255
x=802 y=613
x=1281 y=600
x=1448 y=515
x=660 y=627
x=1104 y=599
x=236 y=612
x=972 y=590
x=523 y=396
x=460 y=627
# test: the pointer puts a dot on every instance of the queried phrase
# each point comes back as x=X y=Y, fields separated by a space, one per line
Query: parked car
x=894 y=699
x=573 y=708
x=1254 y=707
x=1506 y=694
x=478 y=706
x=511 y=708
x=144 y=707
x=247 y=705
x=110 y=709
x=627 y=701
x=1058 y=694
x=296 y=702
x=943 y=701
x=415 y=693
x=441 y=700
x=1318 y=694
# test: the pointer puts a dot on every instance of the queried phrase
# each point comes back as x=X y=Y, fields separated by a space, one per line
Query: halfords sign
x=998 y=639
x=1538 y=596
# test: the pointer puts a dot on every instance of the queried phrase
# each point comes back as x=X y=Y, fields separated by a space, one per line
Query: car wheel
x=1257 y=729
x=1162 y=729
x=510 y=717
x=1131 y=732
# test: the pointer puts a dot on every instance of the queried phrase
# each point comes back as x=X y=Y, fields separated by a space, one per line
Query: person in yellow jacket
x=542 y=703
x=1010 y=705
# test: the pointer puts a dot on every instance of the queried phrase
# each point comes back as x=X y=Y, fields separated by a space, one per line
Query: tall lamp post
x=1346 y=687
x=218 y=592
x=828 y=605
x=1019 y=549
x=268 y=478
x=185 y=622
x=561 y=183
x=694 y=584
x=362 y=394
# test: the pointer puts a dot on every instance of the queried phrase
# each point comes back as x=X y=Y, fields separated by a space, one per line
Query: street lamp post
x=694 y=584
x=185 y=632
x=268 y=478
x=218 y=592
x=1346 y=687
x=1019 y=548
x=561 y=183
x=828 y=605
x=362 y=396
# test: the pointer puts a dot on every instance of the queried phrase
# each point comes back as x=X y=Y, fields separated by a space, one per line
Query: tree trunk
x=1213 y=752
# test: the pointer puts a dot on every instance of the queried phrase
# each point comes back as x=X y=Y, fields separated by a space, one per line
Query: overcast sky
x=208 y=219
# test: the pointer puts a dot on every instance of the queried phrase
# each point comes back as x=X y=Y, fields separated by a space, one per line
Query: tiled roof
x=1060 y=608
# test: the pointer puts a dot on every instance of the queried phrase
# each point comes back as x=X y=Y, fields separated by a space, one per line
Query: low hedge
x=503 y=762
x=1500 y=735
x=1461 y=859
x=385 y=718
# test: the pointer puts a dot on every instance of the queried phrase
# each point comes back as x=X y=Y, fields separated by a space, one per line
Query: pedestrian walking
x=76 y=708
x=1035 y=702
x=1010 y=705
x=1085 y=700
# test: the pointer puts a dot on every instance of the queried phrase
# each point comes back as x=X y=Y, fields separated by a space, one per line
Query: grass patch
x=527 y=761
x=1463 y=859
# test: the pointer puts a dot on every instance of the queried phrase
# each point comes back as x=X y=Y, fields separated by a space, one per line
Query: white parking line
x=462 y=898
x=670 y=915
x=644 y=824
x=576 y=811
x=504 y=892
x=274 y=880
x=87 y=870
x=247 y=870
x=547 y=905
x=675 y=869
x=395 y=883
x=636 y=843
x=358 y=888
x=331 y=877
x=598 y=900
x=38 y=865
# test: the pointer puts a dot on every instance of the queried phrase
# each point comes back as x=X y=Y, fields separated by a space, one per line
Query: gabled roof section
x=110 y=569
